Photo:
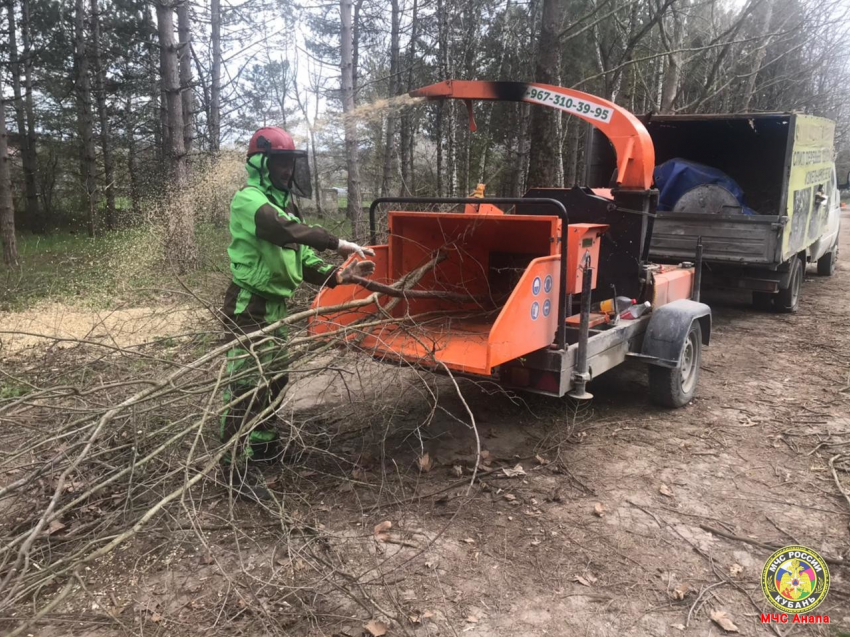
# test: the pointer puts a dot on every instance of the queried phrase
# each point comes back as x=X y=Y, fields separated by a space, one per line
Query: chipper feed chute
x=491 y=296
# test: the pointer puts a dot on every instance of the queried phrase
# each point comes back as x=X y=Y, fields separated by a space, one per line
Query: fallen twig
x=764 y=545
x=835 y=476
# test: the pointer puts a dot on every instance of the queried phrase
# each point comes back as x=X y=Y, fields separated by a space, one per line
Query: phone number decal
x=584 y=108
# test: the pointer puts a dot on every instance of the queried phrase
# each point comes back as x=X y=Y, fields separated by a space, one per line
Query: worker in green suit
x=271 y=252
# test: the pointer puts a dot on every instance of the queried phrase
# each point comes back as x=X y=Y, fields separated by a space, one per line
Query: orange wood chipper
x=515 y=290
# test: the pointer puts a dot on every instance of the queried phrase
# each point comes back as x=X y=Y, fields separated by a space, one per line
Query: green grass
x=10 y=390
x=123 y=265
x=343 y=203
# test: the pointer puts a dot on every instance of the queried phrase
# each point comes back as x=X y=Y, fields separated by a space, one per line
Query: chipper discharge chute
x=515 y=290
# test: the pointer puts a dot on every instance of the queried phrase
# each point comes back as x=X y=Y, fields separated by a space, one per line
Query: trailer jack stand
x=581 y=376
x=579 y=391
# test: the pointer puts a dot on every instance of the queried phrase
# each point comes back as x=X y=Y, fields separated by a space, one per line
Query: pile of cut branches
x=119 y=451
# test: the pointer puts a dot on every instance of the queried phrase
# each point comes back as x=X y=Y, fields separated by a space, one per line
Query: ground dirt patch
x=606 y=531
x=60 y=325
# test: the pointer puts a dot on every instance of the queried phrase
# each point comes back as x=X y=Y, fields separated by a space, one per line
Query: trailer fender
x=668 y=329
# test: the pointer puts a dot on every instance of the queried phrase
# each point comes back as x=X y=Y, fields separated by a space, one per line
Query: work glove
x=347 y=248
x=355 y=269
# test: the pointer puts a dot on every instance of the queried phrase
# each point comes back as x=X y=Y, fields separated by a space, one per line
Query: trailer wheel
x=676 y=387
x=763 y=301
x=826 y=264
x=788 y=300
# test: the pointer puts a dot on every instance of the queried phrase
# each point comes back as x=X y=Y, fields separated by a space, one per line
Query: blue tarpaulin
x=677 y=176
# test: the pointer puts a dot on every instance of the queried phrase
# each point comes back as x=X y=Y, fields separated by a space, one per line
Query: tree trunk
x=7 y=210
x=32 y=185
x=438 y=131
x=670 y=82
x=545 y=151
x=215 y=91
x=24 y=117
x=520 y=182
x=407 y=133
x=447 y=123
x=187 y=91
x=84 y=115
x=505 y=36
x=317 y=186
x=355 y=210
x=355 y=46
x=180 y=246
x=750 y=86
x=132 y=161
x=100 y=95
x=389 y=143
x=155 y=104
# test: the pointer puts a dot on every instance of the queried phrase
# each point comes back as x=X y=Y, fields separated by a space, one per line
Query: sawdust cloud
x=380 y=108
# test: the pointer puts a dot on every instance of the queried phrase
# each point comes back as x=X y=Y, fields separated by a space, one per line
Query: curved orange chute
x=635 y=152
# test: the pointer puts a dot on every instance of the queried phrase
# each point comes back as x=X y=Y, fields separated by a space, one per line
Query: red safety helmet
x=271 y=140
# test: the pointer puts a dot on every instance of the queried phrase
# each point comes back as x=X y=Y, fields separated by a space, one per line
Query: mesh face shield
x=299 y=182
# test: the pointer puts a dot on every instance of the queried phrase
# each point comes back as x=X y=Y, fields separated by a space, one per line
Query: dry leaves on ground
x=680 y=592
x=722 y=619
x=585 y=580
x=382 y=531
x=375 y=628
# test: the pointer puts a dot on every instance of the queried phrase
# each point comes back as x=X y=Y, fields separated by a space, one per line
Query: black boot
x=247 y=483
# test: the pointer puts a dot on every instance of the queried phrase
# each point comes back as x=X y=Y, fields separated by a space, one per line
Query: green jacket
x=271 y=250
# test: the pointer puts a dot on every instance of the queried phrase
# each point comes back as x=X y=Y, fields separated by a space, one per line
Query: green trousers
x=246 y=370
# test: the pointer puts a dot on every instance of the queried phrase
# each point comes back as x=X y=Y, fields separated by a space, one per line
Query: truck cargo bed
x=726 y=238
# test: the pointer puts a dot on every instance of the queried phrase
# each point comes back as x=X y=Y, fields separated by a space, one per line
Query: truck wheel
x=763 y=301
x=676 y=387
x=788 y=300
x=826 y=264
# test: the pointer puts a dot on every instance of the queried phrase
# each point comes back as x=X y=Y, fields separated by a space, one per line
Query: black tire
x=676 y=387
x=788 y=300
x=763 y=301
x=826 y=264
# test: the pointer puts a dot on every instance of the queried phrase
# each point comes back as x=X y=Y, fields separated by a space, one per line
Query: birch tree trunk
x=389 y=143
x=670 y=81
x=750 y=86
x=446 y=120
x=355 y=210
x=408 y=184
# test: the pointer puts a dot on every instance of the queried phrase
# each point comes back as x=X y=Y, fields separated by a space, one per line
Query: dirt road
x=602 y=530
x=531 y=556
